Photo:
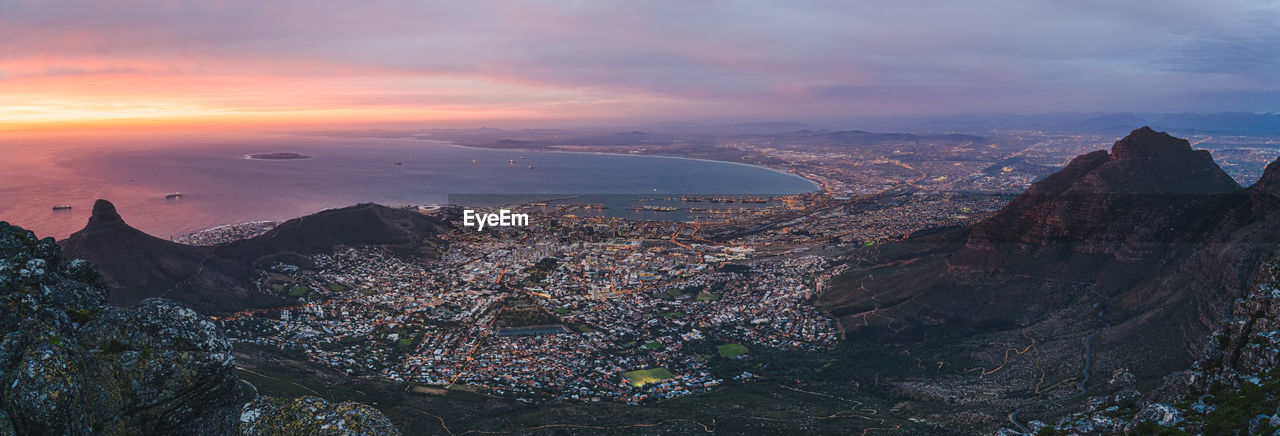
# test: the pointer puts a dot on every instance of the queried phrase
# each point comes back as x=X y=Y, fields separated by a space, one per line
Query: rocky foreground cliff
x=71 y=364
x=1233 y=388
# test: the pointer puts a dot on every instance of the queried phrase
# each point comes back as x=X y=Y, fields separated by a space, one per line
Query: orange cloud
x=98 y=92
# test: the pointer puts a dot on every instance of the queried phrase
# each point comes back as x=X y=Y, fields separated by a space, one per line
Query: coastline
x=815 y=185
x=209 y=212
x=258 y=157
x=230 y=225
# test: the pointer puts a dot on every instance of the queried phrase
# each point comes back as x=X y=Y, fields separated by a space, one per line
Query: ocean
x=221 y=185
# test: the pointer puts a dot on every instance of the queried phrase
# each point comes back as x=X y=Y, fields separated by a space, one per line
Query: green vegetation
x=278 y=287
x=655 y=345
x=1147 y=428
x=539 y=271
x=562 y=311
x=113 y=347
x=1224 y=341
x=80 y=315
x=707 y=296
x=523 y=312
x=335 y=287
x=1234 y=409
x=584 y=328
x=468 y=396
x=730 y=351
x=298 y=291
x=404 y=338
x=673 y=314
x=674 y=293
x=292 y=381
x=641 y=377
x=723 y=406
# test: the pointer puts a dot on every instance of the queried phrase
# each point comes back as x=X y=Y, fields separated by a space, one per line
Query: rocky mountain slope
x=71 y=364
x=1233 y=387
x=219 y=279
x=1151 y=241
x=134 y=262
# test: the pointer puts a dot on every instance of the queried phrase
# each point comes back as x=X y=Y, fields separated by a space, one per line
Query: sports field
x=730 y=351
x=641 y=377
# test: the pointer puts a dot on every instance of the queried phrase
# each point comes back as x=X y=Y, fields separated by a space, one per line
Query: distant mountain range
x=1222 y=122
x=1235 y=123
x=1242 y=123
x=925 y=127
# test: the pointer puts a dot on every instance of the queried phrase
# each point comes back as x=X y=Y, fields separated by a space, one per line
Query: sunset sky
x=305 y=63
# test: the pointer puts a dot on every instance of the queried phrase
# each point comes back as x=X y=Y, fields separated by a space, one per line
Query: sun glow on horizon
x=93 y=92
x=116 y=99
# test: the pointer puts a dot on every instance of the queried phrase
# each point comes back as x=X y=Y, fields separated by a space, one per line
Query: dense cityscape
x=583 y=307
x=543 y=314
x=639 y=218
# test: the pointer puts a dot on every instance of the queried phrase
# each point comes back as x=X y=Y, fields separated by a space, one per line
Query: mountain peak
x=1145 y=143
x=104 y=212
x=1269 y=183
x=1152 y=182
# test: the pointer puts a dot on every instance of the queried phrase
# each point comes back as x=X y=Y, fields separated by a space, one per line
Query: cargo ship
x=173 y=196
x=656 y=208
x=62 y=207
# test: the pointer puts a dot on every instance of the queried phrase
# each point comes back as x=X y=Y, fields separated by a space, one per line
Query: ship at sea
x=173 y=196
x=62 y=207
x=656 y=208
